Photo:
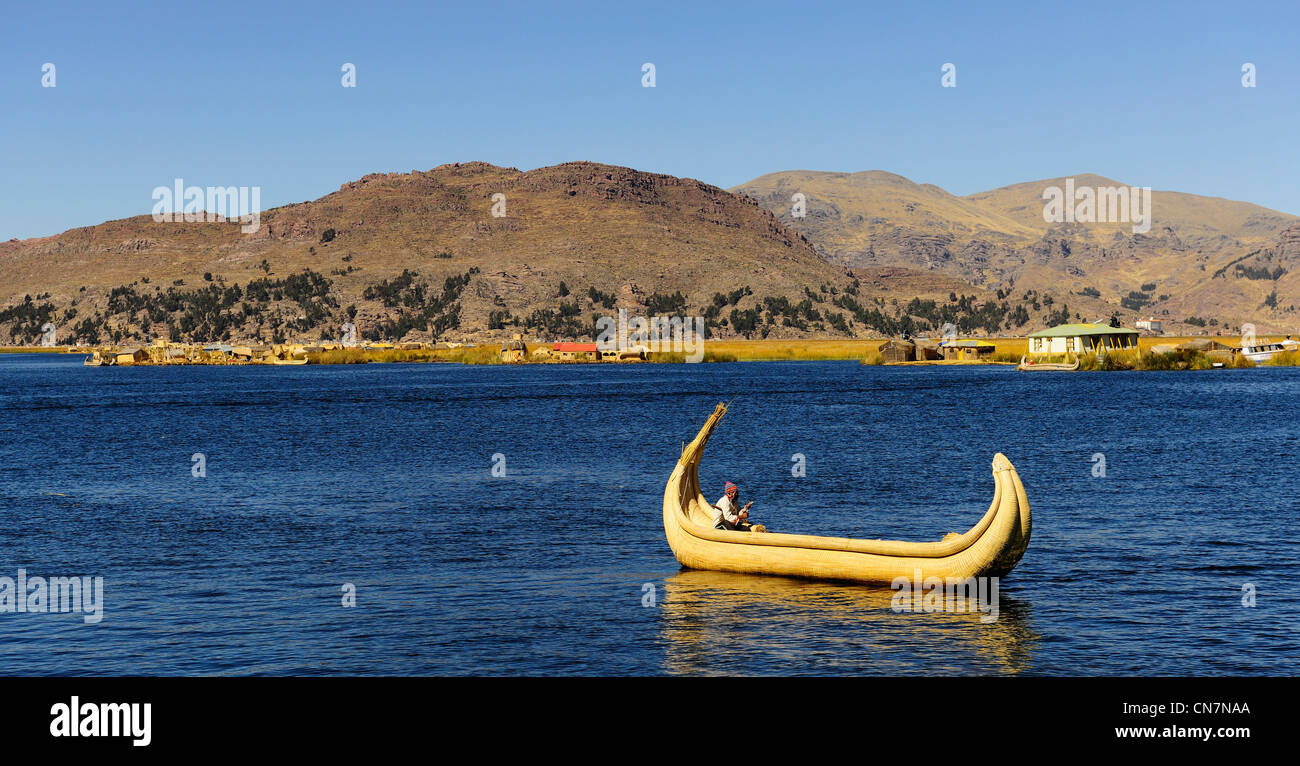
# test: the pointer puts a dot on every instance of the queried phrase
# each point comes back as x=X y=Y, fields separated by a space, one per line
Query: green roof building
x=1088 y=337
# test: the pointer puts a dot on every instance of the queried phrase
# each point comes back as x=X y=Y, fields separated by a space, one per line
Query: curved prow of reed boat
x=991 y=548
x=1027 y=366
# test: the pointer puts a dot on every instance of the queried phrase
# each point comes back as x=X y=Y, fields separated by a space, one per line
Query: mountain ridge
x=574 y=239
x=999 y=237
x=545 y=251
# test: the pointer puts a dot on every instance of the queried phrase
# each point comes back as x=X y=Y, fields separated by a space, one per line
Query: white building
x=1087 y=338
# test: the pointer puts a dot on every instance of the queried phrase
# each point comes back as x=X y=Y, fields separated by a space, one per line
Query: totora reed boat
x=991 y=548
x=1029 y=365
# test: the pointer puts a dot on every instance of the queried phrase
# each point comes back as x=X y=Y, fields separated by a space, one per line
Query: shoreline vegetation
x=1009 y=351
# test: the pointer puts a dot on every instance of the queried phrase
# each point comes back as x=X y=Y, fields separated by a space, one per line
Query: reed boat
x=991 y=548
x=1028 y=366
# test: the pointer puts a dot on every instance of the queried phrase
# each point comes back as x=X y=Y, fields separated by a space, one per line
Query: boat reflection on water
x=735 y=624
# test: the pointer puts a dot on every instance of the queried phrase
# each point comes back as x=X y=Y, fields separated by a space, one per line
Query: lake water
x=381 y=476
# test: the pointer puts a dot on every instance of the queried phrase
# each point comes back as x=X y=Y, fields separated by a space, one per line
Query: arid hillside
x=478 y=252
x=1205 y=259
x=460 y=251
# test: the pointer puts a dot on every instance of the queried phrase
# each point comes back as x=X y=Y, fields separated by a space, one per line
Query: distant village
x=1064 y=346
x=163 y=352
x=166 y=352
x=1034 y=351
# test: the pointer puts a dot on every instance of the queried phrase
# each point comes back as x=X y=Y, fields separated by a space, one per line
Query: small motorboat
x=1262 y=352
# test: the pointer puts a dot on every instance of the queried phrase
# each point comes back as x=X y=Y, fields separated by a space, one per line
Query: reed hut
x=513 y=351
x=966 y=350
x=898 y=350
x=131 y=356
x=1205 y=345
x=1214 y=350
x=927 y=350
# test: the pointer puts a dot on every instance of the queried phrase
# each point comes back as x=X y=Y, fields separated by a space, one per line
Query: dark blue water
x=381 y=476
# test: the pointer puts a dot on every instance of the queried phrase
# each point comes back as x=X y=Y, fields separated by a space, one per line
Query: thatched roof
x=1204 y=344
x=1081 y=330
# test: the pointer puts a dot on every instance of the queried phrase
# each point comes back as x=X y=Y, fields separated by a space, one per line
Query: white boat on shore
x=1262 y=352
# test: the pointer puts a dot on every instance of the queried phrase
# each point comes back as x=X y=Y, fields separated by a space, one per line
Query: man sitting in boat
x=727 y=512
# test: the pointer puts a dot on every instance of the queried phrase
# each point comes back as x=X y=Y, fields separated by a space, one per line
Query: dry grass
x=339 y=356
x=1144 y=359
x=680 y=357
x=476 y=355
x=36 y=350
x=1009 y=350
x=785 y=350
x=1285 y=359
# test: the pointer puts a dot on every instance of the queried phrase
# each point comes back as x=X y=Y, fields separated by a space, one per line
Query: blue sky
x=249 y=94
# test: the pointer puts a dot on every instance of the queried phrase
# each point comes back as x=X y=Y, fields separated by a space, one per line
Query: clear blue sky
x=248 y=94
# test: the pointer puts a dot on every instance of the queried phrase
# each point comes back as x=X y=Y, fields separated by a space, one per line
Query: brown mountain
x=422 y=256
x=1202 y=258
x=615 y=237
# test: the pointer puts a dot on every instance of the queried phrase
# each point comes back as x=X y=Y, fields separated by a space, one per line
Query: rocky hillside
x=423 y=256
x=1215 y=262
x=477 y=252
